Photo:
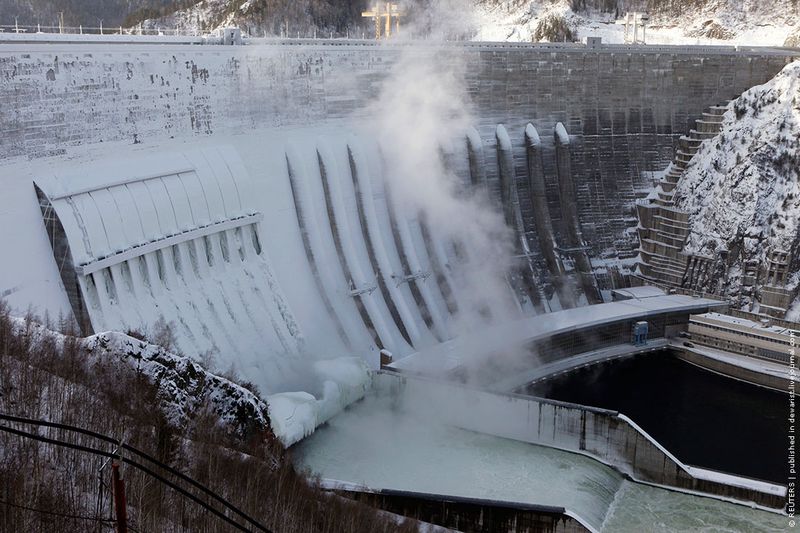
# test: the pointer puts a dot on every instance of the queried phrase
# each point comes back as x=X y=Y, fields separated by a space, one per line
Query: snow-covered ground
x=185 y=386
x=748 y=22
x=715 y=22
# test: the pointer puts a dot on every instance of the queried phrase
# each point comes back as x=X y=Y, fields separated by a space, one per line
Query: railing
x=755 y=317
x=98 y=30
x=607 y=436
x=311 y=35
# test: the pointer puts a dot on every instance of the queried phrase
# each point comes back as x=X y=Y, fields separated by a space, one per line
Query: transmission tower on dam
x=383 y=14
x=635 y=22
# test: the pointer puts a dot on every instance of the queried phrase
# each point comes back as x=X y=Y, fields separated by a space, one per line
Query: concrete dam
x=561 y=139
x=287 y=205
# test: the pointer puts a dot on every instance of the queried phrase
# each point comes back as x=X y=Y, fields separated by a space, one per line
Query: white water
x=377 y=444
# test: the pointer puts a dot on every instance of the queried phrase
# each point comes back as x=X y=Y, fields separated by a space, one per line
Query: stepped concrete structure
x=663 y=229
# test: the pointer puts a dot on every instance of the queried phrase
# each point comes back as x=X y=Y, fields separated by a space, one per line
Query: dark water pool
x=704 y=419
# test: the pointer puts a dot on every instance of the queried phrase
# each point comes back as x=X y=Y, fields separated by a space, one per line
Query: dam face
x=268 y=225
x=623 y=107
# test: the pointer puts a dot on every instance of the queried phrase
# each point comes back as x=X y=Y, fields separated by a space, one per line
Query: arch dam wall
x=277 y=208
x=623 y=107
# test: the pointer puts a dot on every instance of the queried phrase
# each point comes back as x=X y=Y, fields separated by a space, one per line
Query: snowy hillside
x=744 y=22
x=185 y=388
x=185 y=385
x=205 y=15
x=259 y=18
x=205 y=426
x=741 y=188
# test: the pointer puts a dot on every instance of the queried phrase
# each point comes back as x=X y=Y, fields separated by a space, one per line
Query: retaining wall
x=734 y=371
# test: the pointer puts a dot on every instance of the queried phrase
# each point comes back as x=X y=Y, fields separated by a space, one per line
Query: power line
x=134 y=464
x=126 y=460
x=141 y=454
x=54 y=513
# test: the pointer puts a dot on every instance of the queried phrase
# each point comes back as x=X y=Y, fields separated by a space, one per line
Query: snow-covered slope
x=186 y=388
x=261 y=18
x=741 y=188
x=745 y=22
x=204 y=15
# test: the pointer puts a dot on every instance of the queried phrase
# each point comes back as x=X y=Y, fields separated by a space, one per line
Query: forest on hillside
x=333 y=15
x=79 y=12
x=68 y=403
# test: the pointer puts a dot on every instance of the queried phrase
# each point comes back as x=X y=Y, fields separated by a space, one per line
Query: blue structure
x=639 y=333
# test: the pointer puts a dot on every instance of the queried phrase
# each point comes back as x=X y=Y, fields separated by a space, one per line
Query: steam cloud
x=423 y=111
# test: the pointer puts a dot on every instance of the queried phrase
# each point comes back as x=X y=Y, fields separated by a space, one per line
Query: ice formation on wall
x=175 y=237
x=295 y=415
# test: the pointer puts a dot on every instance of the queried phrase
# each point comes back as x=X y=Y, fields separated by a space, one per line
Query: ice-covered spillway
x=368 y=259
x=273 y=249
x=266 y=251
x=175 y=237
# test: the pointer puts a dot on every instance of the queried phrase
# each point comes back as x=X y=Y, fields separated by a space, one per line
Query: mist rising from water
x=423 y=110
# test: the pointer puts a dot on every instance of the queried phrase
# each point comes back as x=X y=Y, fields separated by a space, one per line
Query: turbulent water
x=373 y=443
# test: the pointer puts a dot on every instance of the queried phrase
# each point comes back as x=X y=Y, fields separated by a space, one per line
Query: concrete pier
x=575 y=245
x=526 y=277
x=541 y=215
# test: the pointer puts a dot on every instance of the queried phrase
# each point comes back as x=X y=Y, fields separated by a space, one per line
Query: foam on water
x=640 y=508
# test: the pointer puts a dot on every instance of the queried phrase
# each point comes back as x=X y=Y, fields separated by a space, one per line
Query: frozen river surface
x=374 y=443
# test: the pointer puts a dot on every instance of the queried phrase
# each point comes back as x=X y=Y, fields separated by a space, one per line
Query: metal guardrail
x=755 y=317
x=98 y=30
x=19 y=32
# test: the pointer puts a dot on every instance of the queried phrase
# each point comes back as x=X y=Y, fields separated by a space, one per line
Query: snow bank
x=722 y=22
x=184 y=386
x=295 y=415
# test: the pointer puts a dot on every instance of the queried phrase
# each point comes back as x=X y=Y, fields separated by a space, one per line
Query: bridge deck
x=479 y=345
x=569 y=364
